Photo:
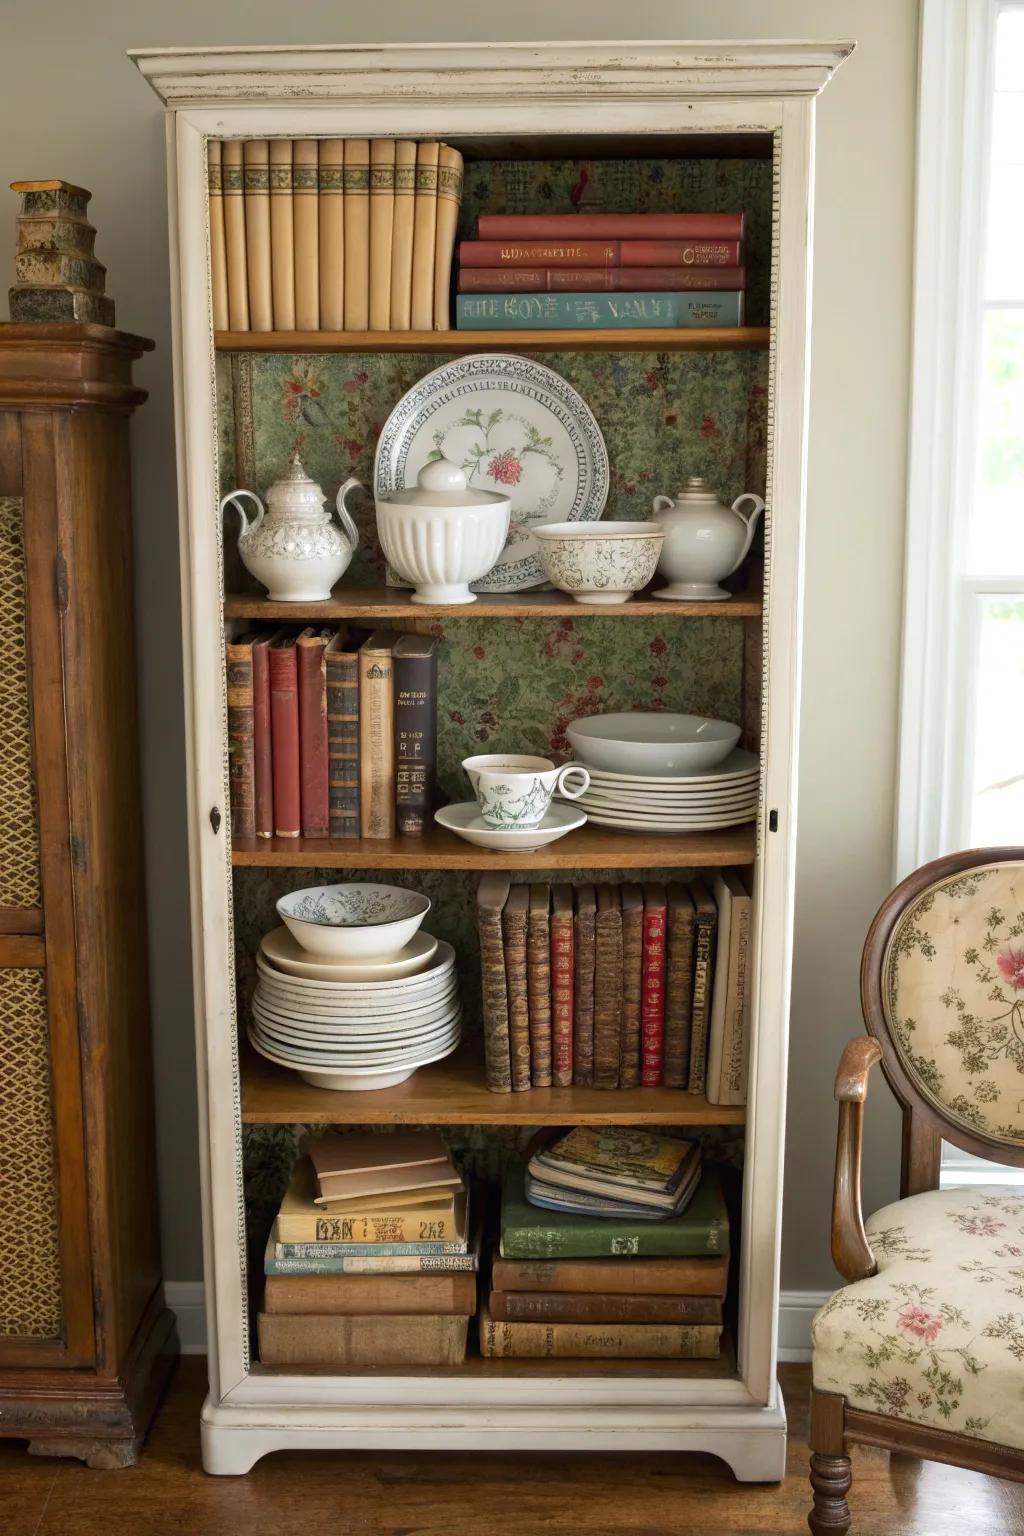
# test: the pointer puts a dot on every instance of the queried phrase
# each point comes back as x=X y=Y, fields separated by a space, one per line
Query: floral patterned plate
x=515 y=427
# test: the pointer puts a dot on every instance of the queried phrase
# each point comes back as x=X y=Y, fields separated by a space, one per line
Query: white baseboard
x=796 y=1309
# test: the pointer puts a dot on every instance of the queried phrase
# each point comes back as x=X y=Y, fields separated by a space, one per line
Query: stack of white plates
x=723 y=796
x=368 y=1030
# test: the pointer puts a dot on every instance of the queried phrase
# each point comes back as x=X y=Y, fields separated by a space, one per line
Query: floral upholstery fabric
x=953 y=990
x=937 y=1335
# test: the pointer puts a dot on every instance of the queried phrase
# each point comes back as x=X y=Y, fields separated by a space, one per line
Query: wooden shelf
x=453 y=1092
x=373 y=603
x=713 y=339
x=591 y=847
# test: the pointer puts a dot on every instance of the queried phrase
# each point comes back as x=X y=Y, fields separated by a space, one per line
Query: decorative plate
x=515 y=427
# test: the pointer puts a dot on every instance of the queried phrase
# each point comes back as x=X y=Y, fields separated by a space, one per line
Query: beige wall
x=71 y=105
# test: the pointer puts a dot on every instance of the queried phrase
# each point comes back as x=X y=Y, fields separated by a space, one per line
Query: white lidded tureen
x=705 y=540
x=441 y=535
x=293 y=546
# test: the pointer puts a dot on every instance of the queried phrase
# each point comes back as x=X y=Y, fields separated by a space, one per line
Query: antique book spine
x=218 y=249
x=233 y=182
x=313 y=762
x=678 y=986
x=449 y=198
x=342 y=737
x=373 y=1264
x=262 y=747
x=513 y=279
x=313 y=1250
x=240 y=738
x=439 y=1223
x=305 y=222
x=632 y=984
x=647 y=1277
x=424 y=235
x=538 y=983
x=376 y=737
x=282 y=235
x=382 y=218
x=607 y=987
x=357 y=234
x=609 y=1307
x=371 y=1295
x=581 y=254
x=402 y=234
x=562 y=960
x=491 y=895
x=710 y=228
x=590 y=311
x=652 y=1042
x=514 y=926
x=706 y=924
x=529 y=1231
x=729 y=1086
x=331 y=210
x=600 y=1341
x=257 y=234
x=583 y=986
x=415 y=659
x=721 y=1002
x=364 y=1341
x=284 y=731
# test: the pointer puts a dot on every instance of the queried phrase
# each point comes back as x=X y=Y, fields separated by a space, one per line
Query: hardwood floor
x=167 y=1494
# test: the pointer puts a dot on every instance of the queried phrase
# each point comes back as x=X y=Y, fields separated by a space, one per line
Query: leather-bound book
x=233 y=184
x=595 y=1307
x=284 y=730
x=282 y=235
x=583 y=986
x=342 y=664
x=562 y=956
x=424 y=235
x=331 y=182
x=609 y=1341
x=491 y=896
x=727 y=1037
x=218 y=250
x=632 y=984
x=306 y=224
x=371 y=1295
x=357 y=234
x=240 y=747
x=313 y=778
x=449 y=198
x=513 y=279
x=415 y=732
x=706 y=920
x=402 y=234
x=262 y=746
x=647 y=1277
x=257 y=234
x=607 y=987
x=377 y=736
x=538 y=982
x=382 y=215
x=514 y=925
x=652 y=1018
x=358 y=1342
x=678 y=985
x=709 y=227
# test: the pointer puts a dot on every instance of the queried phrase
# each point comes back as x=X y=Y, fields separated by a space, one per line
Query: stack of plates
x=358 y=1032
x=723 y=796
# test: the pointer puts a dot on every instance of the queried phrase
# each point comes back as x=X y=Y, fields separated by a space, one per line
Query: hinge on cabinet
x=62 y=583
x=773 y=821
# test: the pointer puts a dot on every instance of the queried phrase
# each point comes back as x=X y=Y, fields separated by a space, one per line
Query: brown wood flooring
x=432 y=1494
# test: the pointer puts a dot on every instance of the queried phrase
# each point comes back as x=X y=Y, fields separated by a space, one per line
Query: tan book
x=362 y=1152
x=438 y=1177
x=402 y=234
x=282 y=235
x=720 y=1002
x=538 y=982
x=678 y=985
x=562 y=951
x=388 y=1200
x=382 y=215
x=593 y=1307
x=514 y=925
x=301 y=1219
x=647 y=1277
x=376 y=736
x=233 y=184
x=583 y=986
x=371 y=1295
x=705 y=926
x=357 y=234
x=306 y=223
x=449 y=199
x=361 y=1341
x=600 y=1341
x=257 y=234
x=607 y=987
x=491 y=896
x=424 y=231
x=218 y=250
x=730 y=1007
x=632 y=984
x=331 y=183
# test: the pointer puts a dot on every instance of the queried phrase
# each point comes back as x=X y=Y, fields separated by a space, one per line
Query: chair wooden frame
x=834 y=1425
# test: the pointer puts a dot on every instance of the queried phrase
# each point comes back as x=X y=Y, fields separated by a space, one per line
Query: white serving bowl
x=652 y=743
x=355 y=921
x=599 y=562
x=442 y=535
x=285 y=955
x=358 y=1078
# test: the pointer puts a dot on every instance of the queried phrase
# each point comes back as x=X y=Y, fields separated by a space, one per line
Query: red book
x=314 y=803
x=263 y=763
x=611 y=226
x=652 y=1017
x=562 y=964
x=600 y=279
x=284 y=731
x=598 y=253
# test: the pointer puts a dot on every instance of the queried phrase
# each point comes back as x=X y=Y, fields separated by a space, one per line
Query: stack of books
x=369 y=1261
x=595 y=271
x=332 y=234
x=617 y=986
x=614 y=1244
x=330 y=737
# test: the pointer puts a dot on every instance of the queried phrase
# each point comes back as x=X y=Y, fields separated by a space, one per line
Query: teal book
x=368 y=1250
x=702 y=1230
x=595 y=311
x=372 y=1264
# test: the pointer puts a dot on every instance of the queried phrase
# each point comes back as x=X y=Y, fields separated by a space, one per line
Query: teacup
x=515 y=791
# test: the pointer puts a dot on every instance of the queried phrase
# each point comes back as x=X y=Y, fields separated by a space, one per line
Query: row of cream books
x=332 y=234
x=617 y=986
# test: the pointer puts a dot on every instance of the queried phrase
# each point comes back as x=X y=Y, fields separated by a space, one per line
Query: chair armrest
x=851 y=1251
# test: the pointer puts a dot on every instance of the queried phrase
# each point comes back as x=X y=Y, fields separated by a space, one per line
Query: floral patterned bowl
x=599 y=562
x=356 y=921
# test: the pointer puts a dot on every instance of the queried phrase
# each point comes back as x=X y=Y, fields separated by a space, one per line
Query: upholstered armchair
x=922 y=1351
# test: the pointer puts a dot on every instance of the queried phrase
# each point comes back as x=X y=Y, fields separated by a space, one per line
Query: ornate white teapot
x=705 y=540
x=295 y=549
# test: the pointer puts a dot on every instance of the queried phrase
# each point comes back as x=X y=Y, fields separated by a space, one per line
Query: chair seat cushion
x=937 y=1335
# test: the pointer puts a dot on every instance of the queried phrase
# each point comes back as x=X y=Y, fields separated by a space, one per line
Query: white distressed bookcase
x=608 y=97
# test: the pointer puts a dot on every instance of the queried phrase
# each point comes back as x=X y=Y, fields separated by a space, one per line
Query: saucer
x=465 y=821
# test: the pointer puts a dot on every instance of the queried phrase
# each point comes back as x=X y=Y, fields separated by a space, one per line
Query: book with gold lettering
x=331 y=210
x=377 y=736
x=449 y=197
x=601 y=1341
x=382 y=215
x=282 y=235
x=424 y=237
x=357 y=234
x=402 y=234
x=257 y=234
x=415 y=731
x=305 y=222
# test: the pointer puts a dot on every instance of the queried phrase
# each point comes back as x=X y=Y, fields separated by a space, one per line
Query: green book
x=595 y=311
x=529 y=1233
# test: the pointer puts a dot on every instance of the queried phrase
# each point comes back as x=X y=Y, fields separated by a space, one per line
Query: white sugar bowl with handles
x=294 y=547
x=705 y=540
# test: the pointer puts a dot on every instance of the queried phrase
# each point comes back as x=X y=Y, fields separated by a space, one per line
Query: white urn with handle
x=705 y=540
x=293 y=546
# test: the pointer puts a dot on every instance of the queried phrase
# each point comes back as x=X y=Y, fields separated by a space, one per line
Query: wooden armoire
x=86 y=1342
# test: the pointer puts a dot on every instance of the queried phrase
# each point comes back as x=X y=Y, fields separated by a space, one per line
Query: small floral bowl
x=599 y=562
x=356 y=921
